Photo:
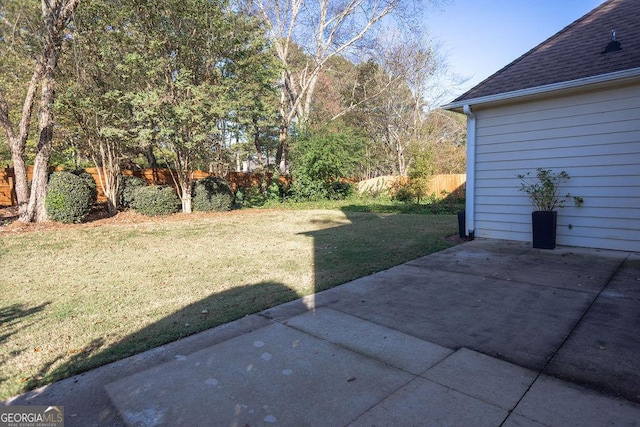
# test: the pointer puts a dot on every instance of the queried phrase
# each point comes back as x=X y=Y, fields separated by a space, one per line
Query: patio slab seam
x=425 y=375
x=584 y=314
x=575 y=326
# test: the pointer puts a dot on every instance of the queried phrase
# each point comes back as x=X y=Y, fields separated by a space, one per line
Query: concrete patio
x=487 y=333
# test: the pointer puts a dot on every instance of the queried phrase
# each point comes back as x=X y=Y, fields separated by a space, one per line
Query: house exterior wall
x=594 y=136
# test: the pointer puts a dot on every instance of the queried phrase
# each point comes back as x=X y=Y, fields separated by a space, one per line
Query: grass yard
x=77 y=297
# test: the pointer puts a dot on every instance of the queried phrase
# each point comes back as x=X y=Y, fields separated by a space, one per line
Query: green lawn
x=77 y=297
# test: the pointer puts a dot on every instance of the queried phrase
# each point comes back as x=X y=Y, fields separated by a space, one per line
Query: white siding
x=595 y=137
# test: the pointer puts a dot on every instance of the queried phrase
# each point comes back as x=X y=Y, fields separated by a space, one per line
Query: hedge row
x=70 y=196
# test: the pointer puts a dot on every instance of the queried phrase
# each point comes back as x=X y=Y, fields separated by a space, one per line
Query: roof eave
x=617 y=76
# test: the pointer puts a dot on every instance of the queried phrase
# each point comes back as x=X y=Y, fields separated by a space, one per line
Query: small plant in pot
x=543 y=189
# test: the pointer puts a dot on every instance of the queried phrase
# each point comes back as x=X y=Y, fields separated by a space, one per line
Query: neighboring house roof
x=581 y=50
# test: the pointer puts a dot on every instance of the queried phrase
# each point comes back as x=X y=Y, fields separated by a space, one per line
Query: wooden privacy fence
x=453 y=184
x=151 y=176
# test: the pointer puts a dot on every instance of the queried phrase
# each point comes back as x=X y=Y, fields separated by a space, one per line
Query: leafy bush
x=250 y=196
x=128 y=187
x=420 y=172
x=321 y=158
x=339 y=190
x=275 y=190
x=211 y=194
x=543 y=189
x=304 y=188
x=90 y=181
x=412 y=189
x=69 y=198
x=401 y=191
x=404 y=194
x=269 y=190
x=154 y=200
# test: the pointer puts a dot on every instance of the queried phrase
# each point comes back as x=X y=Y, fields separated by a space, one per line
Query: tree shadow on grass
x=13 y=317
x=364 y=243
x=212 y=311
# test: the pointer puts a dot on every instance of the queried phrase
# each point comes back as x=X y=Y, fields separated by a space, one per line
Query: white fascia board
x=541 y=90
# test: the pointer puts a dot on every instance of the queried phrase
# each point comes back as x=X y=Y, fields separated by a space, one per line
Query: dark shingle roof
x=575 y=52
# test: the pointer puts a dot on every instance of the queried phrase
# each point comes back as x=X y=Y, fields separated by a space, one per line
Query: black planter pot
x=544 y=229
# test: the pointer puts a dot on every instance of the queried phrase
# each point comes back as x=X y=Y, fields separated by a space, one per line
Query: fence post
x=10 y=174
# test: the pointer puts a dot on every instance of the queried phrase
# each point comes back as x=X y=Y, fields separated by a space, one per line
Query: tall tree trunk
x=36 y=208
x=184 y=184
x=256 y=142
x=20 y=180
x=151 y=157
x=186 y=198
x=402 y=164
x=55 y=14
x=281 y=153
x=182 y=177
x=305 y=111
x=285 y=122
x=108 y=168
x=17 y=142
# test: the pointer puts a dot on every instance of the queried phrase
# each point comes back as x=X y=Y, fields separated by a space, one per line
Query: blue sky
x=479 y=37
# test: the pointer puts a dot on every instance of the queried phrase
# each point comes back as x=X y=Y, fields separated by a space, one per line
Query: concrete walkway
x=488 y=333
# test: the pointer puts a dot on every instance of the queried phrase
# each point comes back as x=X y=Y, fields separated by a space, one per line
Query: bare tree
x=55 y=17
x=324 y=29
x=399 y=120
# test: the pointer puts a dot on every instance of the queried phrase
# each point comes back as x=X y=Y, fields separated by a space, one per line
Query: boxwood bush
x=69 y=198
x=155 y=200
x=128 y=187
x=90 y=181
x=211 y=194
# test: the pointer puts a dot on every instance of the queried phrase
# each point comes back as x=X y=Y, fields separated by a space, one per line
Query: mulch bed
x=98 y=217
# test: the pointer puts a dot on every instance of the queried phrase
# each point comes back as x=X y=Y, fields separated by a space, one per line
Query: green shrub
x=321 y=157
x=128 y=187
x=211 y=194
x=269 y=190
x=249 y=196
x=275 y=190
x=304 y=189
x=90 y=181
x=404 y=194
x=155 y=200
x=340 y=190
x=69 y=198
x=238 y=196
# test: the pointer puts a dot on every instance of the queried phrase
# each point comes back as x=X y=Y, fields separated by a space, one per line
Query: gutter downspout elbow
x=471 y=171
